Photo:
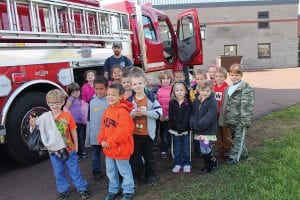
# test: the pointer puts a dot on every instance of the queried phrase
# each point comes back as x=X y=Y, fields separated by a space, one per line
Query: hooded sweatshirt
x=96 y=110
x=117 y=131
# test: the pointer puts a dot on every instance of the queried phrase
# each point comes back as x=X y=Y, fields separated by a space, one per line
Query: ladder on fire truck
x=61 y=20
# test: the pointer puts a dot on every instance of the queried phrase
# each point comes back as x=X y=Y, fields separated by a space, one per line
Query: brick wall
x=238 y=25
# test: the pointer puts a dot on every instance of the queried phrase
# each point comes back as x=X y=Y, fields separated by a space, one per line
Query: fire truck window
x=186 y=28
x=167 y=41
x=149 y=31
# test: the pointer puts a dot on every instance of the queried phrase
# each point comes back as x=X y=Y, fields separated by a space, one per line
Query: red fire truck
x=46 y=44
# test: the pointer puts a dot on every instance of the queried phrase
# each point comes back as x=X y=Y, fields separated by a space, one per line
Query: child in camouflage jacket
x=237 y=111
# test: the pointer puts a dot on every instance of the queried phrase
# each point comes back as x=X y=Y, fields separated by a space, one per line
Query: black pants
x=81 y=134
x=143 y=147
x=165 y=136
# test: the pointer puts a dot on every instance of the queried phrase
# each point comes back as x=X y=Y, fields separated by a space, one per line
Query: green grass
x=272 y=172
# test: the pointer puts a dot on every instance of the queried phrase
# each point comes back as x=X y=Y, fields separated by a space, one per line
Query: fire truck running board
x=62 y=20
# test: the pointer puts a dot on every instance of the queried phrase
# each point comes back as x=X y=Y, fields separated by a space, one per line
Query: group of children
x=122 y=117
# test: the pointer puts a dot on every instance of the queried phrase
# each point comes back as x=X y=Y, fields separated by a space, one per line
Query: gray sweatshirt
x=96 y=110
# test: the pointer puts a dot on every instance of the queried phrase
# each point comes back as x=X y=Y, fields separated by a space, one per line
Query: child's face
x=205 y=92
x=90 y=77
x=199 y=78
x=165 y=81
x=126 y=83
x=179 y=91
x=220 y=78
x=234 y=77
x=212 y=72
x=138 y=84
x=100 y=90
x=55 y=104
x=75 y=93
x=179 y=77
x=116 y=74
x=113 y=96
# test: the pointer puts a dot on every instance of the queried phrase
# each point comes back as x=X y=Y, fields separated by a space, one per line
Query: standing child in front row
x=98 y=105
x=146 y=110
x=224 y=137
x=204 y=124
x=117 y=142
x=79 y=111
x=163 y=97
x=64 y=131
x=180 y=108
x=87 y=91
x=237 y=111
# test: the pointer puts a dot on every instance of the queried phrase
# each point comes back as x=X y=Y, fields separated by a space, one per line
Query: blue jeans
x=71 y=166
x=182 y=149
x=96 y=164
x=113 y=168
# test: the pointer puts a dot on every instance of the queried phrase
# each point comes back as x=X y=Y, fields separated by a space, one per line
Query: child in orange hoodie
x=116 y=138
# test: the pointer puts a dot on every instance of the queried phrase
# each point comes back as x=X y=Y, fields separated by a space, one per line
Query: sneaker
x=98 y=175
x=231 y=161
x=63 y=195
x=136 y=183
x=85 y=155
x=244 y=157
x=85 y=194
x=163 y=155
x=110 y=196
x=127 y=196
x=176 y=169
x=187 y=169
x=152 y=181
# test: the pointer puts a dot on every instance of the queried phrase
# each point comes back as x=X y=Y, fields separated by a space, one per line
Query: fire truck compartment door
x=189 y=38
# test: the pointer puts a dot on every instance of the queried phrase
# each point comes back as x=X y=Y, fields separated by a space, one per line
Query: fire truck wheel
x=18 y=127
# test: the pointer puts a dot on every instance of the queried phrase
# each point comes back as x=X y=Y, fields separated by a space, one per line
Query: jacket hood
x=124 y=104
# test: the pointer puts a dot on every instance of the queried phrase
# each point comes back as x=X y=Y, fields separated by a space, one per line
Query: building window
x=230 y=50
x=264 y=50
x=263 y=15
x=263 y=25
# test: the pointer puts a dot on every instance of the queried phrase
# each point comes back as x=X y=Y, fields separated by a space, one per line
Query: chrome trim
x=20 y=89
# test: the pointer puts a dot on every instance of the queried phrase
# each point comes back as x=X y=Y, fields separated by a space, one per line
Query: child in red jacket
x=116 y=138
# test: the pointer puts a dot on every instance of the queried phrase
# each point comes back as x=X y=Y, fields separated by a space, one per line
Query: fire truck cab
x=50 y=44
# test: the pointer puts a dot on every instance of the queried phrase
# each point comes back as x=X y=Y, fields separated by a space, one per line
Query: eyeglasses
x=55 y=103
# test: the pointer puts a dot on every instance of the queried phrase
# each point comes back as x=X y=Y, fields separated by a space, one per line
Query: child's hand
x=143 y=110
x=166 y=118
x=202 y=137
x=104 y=144
x=162 y=119
x=32 y=121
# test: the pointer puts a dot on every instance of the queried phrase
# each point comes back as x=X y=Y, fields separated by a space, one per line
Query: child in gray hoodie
x=98 y=105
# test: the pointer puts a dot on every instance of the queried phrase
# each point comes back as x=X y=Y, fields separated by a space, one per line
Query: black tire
x=17 y=126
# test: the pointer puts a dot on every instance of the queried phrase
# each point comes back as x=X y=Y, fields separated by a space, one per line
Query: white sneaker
x=187 y=169
x=176 y=169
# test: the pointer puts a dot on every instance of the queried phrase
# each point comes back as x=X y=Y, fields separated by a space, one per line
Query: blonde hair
x=206 y=84
x=136 y=72
x=235 y=69
x=200 y=72
x=167 y=74
x=223 y=71
x=179 y=72
x=56 y=95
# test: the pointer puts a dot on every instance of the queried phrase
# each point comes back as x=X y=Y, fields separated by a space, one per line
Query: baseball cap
x=117 y=44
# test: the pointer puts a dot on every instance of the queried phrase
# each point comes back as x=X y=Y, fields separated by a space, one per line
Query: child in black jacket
x=204 y=124
x=180 y=107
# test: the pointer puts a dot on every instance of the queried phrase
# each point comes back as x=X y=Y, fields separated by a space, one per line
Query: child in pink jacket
x=163 y=96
